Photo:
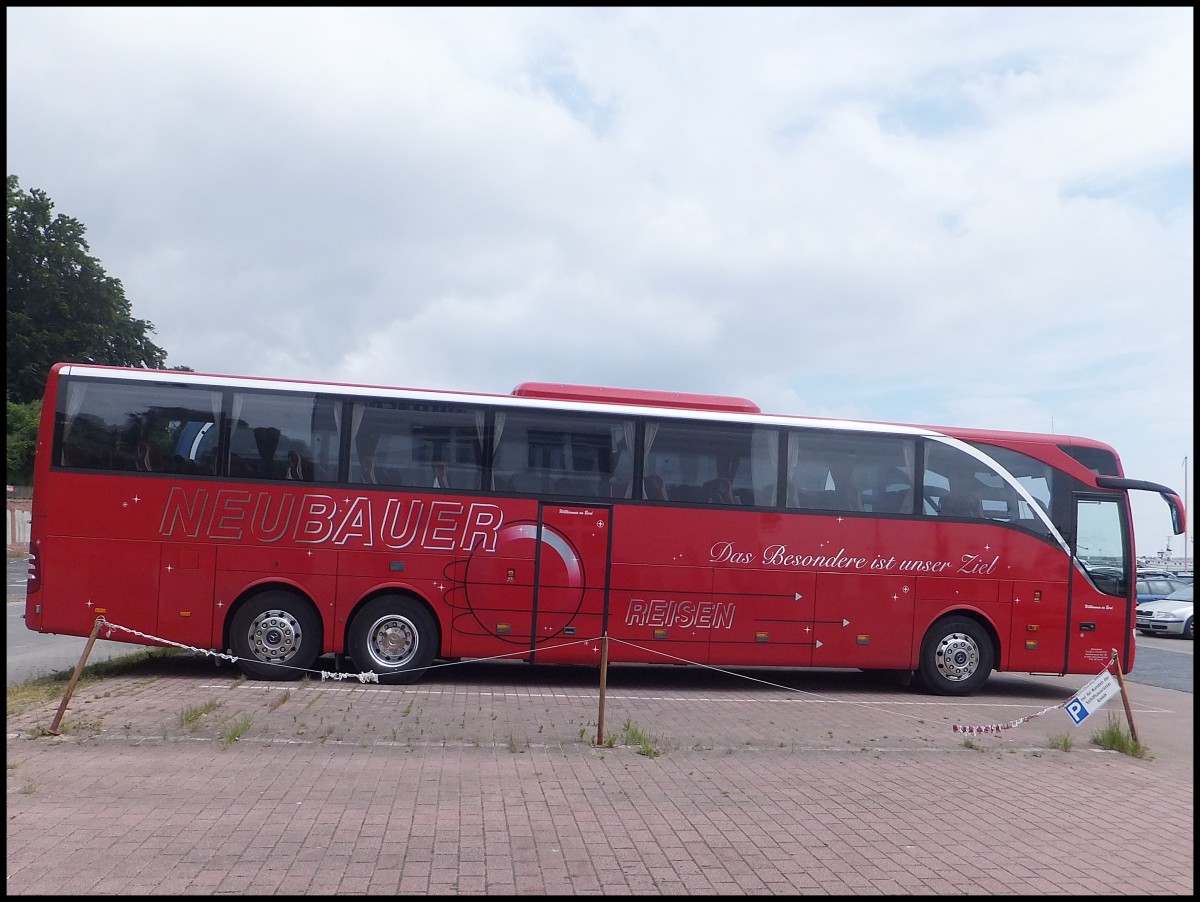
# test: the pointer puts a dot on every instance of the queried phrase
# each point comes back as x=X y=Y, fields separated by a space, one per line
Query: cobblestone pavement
x=178 y=777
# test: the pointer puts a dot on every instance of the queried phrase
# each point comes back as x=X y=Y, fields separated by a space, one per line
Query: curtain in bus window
x=283 y=436
x=362 y=460
x=266 y=440
x=621 y=481
x=765 y=466
x=499 y=484
x=481 y=438
x=233 y=465
x=793 y=464
x=904 y=493
x=653 y=484
x=362 y=447
x=848 y=495
x=74 y=403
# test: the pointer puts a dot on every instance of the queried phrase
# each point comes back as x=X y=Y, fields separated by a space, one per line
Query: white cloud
x=975 y=216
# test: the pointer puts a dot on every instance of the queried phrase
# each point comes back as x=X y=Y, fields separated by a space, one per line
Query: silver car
x=1170 y=616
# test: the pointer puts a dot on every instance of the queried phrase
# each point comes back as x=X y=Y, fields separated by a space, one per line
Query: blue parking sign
x=1092 y=697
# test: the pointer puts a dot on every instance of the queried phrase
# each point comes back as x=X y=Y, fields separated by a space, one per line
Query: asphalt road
x=1165 y=663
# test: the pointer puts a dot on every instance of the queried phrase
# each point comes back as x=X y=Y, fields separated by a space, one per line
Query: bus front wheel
x=275 y=636
x=394 y=637
x=957 y=657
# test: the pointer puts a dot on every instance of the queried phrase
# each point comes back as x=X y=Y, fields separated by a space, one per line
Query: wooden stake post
x=603 y=686
x=1125 y=697
x=87 y=650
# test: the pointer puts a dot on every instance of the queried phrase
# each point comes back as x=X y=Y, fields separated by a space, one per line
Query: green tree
x=61 y=303
x=21 y=441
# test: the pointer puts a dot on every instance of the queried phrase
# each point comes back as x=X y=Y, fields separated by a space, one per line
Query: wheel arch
x=971 y=612
x=959 y=652
x=390 y=591
x=249 y=593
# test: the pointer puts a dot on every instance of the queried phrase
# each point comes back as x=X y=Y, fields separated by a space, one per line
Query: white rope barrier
x=372 y=677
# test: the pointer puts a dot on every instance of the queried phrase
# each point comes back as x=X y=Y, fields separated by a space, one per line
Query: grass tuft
x=189 y=716
x=233 y=732
x=1116 y=738
x=635 y=735
x=1064 y=742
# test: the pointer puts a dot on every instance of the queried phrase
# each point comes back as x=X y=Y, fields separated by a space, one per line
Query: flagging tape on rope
x=998 y=727
x=364 y=677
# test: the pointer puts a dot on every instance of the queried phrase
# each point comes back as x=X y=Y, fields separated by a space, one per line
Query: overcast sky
x=972 y=216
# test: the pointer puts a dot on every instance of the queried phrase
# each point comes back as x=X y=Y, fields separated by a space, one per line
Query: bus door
x=571 y=582
x=539 y=591
x=1097 y=622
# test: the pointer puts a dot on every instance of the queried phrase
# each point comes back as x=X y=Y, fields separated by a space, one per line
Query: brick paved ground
x=486 y=779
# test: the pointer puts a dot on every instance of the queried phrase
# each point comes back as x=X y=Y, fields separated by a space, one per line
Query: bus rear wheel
x=275 y=636
x=957 y=657
x=394 y=637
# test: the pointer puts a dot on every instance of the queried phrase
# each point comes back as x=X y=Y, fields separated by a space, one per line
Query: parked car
x=1152 y=588
x=1170 y=616
x=1151 y=572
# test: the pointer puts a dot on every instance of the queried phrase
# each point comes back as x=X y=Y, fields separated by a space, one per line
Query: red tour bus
x=279 y=521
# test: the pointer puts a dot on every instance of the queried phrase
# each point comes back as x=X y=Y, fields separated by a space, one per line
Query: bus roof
x=560 y=391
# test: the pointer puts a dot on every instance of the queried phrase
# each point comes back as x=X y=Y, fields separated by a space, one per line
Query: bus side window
x=269 y=428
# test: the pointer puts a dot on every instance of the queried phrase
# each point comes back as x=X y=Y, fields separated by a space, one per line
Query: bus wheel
x=394 y=637
x=275 y=636
x=957 y=657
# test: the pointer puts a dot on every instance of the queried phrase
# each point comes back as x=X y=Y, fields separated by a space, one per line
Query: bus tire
x=395 y=637
x=276 y=636
x=957 y=656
